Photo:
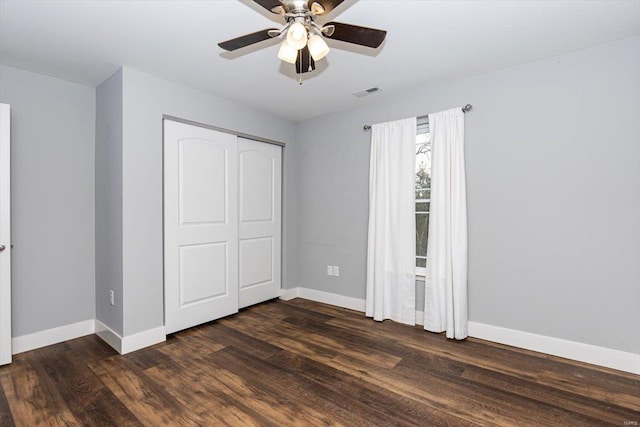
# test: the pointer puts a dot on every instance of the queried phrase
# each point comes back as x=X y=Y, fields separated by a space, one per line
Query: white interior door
x=260 y=179
x=5 y=234
x=200 y=225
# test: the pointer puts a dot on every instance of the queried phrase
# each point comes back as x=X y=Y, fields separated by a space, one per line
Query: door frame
x=5 y=234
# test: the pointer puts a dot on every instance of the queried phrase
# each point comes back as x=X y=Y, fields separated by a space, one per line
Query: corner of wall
x=108 y=203
x=130 y=343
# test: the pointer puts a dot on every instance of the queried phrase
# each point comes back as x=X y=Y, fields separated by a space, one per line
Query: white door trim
x=5 y=234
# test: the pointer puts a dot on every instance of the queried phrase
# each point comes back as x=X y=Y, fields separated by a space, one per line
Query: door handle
x=2 y=247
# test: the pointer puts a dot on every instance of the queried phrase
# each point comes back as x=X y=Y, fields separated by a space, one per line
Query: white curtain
x=391 y=251
x=445 y=307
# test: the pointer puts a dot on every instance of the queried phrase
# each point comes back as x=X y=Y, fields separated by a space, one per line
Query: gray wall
x=52 y=209
x=146 y=99
x=108 y=191
x=553 y=177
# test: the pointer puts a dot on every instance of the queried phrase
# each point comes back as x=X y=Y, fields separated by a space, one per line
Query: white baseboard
x=109 y=336
x=52 y=336
x=288 y=294
x=130 y=343
x=143 y=339
x=324 y=297
x=601 y=356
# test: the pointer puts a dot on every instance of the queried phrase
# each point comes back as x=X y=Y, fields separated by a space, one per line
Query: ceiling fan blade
x=327 y=5
x=363 y=36
x=246 y=40
x=273 y=6
x=305 y=62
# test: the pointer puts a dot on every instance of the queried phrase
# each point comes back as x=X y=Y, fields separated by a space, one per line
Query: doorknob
x=2 y=247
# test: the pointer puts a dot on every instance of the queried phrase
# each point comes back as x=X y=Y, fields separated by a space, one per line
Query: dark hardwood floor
x=305 y=363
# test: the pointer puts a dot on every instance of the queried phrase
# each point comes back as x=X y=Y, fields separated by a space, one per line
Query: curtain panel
x=391 y=239
x=446 y=273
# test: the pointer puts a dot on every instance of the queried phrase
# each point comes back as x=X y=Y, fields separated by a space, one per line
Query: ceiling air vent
x=366 y=92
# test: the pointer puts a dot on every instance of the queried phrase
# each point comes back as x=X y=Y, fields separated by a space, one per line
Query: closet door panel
x=257 y=176
x=258 y=258
x=200 y=225
x=259 y=226
x=203 y=169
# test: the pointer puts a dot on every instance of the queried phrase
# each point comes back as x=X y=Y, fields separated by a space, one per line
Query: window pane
x=423 y=173
x=423 y=170
x=422 y=195
x=422 y=207
x=422 y=232
x=423 y=138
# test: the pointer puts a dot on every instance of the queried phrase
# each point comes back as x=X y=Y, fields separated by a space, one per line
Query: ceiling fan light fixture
x=278 y=10
x=328 y=30
x=317 y=47
x=297 y=36
x=317 y=8
x=288 y=53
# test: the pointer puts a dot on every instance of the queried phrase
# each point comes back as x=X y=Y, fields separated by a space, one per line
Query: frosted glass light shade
x=288 y=53
x=317 y=47
x=297 y=36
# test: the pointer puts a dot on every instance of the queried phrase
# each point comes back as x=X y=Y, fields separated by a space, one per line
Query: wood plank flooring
x=305 y=363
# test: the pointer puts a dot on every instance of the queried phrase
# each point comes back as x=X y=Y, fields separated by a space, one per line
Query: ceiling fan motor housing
x=296 y=7
x=298 y=11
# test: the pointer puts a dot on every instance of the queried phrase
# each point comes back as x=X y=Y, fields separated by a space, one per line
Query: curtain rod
x=465 y=109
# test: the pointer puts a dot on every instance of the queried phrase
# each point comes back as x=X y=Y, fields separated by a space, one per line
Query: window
x=423 y=195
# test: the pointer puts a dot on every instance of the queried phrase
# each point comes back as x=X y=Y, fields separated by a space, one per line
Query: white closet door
x=200 y=225
x=5 y=234
x=260 y=179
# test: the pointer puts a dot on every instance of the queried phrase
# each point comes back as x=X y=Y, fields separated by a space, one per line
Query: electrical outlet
x=333 y=270
x=112 y=299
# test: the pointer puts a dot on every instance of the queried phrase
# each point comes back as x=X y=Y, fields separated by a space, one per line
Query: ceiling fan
x=304 y=42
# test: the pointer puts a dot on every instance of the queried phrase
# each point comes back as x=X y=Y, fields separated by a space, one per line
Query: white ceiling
x=428 y=42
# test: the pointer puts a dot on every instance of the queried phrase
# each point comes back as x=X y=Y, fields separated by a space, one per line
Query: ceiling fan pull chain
x=299 y=70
